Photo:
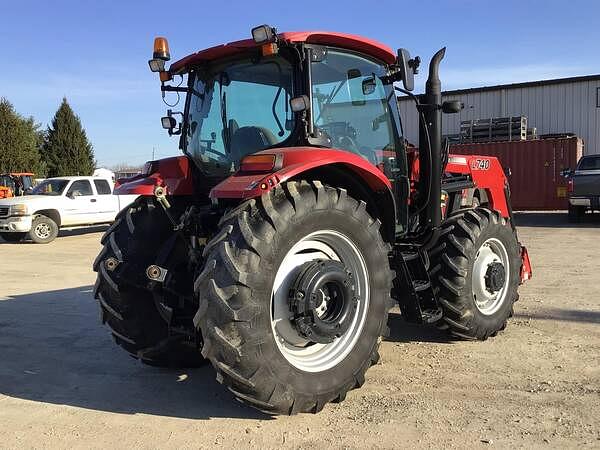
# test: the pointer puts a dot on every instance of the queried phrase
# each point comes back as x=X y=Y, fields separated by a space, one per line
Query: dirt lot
x=63 y=382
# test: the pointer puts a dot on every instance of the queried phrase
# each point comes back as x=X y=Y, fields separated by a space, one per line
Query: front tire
x=296 y=234
x=475 y=268
x=43 y=230
x=140 y=313
x=13 y=237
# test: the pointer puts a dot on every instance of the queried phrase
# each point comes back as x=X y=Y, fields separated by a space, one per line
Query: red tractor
x=298 y=217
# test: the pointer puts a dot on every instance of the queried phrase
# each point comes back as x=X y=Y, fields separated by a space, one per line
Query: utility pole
x=152 y=153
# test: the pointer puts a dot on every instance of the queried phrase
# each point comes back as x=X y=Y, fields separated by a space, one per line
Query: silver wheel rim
x=492 y=251
x=296 y=349
x=42 y=230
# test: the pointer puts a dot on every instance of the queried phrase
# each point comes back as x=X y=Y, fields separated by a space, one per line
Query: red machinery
x=297 y=217
x=15 y=183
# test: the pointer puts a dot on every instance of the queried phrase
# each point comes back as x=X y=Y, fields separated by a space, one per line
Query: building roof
x=343 y=40
x=525 y=84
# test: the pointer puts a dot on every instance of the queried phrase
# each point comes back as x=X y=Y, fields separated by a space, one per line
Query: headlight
x=19 y=209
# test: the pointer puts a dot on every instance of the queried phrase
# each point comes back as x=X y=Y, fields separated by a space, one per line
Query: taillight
x=570 y=185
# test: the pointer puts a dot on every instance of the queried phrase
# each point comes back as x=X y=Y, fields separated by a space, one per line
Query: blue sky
x=95 y=52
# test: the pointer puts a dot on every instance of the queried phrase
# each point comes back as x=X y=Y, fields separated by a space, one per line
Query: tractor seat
x=247 y=140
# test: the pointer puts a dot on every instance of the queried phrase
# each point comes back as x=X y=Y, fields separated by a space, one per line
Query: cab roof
x=349 y=41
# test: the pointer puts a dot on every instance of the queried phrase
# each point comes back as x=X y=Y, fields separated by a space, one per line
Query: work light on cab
x=299 y=104
x=263 y=34
x=266 y=37
x=168 y=122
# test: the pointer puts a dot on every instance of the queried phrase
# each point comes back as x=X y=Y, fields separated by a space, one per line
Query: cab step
x=413 y=289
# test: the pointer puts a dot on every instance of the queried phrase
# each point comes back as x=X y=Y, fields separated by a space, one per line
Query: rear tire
x=475 y=268
x=13 y=237
x=43 y=230
x=245 y=337
x=136 y=309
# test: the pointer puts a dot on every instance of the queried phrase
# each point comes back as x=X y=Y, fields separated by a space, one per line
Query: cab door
x=107 y=204
x=80 y=204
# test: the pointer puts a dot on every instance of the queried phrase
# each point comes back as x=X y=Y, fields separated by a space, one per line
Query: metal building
x=564 y=105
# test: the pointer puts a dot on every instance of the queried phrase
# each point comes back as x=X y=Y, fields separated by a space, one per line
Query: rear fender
x=294 y=161
x=174 y=174
x=337 y=167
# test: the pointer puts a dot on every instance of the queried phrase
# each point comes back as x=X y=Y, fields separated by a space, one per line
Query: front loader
x=298 y=216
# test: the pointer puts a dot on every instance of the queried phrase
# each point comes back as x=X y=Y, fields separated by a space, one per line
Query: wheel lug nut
x=111 y=264
x=153 y=272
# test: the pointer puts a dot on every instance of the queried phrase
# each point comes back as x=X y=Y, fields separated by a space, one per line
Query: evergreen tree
x=20 y=142
x=67 y=150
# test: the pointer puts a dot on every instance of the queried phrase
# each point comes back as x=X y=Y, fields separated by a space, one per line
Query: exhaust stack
x=430 y=162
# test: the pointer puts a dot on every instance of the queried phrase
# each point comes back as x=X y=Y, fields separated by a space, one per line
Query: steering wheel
x=342 y=135
x=207 y=148
x=346 y=143
x=368 y=154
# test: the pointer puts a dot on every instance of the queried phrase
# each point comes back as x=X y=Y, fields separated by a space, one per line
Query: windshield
x=50 y=187
x=353 y=107
x=236 y=110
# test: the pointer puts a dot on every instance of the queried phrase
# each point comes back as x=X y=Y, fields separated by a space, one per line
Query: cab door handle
x=92 y=200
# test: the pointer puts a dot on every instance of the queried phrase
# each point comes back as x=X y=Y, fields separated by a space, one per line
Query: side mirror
x=408 y=68
x=452 y=106
x=369 y=85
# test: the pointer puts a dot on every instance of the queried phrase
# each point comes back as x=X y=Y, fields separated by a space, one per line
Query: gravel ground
x=64 y=383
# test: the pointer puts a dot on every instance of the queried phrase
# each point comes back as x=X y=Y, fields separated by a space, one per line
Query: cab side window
x=102 y=187
x=79 y=188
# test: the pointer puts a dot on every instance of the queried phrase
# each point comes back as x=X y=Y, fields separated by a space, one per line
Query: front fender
x=175 y=174
x=295 y=161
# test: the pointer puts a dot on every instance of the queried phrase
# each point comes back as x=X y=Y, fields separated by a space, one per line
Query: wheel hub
x=322 y=300
x=495 y=277
x=42 y=230
x=490 y=276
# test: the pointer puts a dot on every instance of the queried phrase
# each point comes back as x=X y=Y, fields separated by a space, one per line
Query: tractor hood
x=26 y=199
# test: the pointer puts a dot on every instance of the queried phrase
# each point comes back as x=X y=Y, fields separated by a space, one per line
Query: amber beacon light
x=160 y=55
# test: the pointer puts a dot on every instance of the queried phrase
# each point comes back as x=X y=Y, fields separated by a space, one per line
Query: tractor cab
x=287 y=92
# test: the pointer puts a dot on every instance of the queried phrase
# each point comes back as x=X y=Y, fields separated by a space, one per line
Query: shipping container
x=535 y=180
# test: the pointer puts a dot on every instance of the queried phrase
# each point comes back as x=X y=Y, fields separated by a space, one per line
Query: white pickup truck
x=64 y=202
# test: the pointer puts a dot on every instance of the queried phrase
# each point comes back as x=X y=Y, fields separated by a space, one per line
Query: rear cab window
x=102 y=187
